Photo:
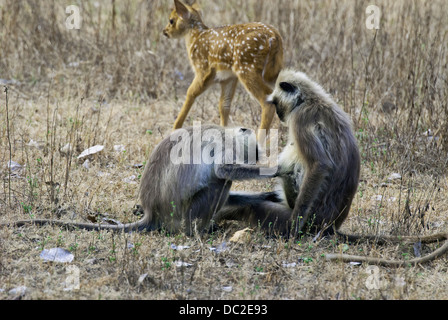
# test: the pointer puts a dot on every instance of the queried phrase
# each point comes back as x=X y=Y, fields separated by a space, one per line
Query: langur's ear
x=288 y=87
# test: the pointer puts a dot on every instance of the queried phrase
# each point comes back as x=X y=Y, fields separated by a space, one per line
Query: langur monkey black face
x=286 y=97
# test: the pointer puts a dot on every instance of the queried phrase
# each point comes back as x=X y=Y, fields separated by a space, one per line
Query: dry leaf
x=394 y=176
x=241 y=236
x=119 y=148
x=130 y=179
x=66 y=149
x=14 y=166
x=90 y=151
x=34 y=144
x=18 y=291
x=142 y=278
x=219 y=248
x=175 y=247
x=86 y=164
x=418 y=249
x=180 y=263
x=289 y=265
x=57 y=255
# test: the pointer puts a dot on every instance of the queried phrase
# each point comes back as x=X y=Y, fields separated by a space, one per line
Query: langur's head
x=246 y=148
x=292 y=89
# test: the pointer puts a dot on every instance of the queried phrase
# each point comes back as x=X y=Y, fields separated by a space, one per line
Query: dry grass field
x=117 y=82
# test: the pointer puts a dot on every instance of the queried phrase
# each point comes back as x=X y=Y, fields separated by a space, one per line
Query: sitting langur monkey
x=186 y=180
x=319 y=170
x=319 y=167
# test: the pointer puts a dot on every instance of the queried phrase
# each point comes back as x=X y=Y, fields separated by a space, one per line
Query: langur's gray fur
x=185 y=196
x=321 y=158
x=319 y=167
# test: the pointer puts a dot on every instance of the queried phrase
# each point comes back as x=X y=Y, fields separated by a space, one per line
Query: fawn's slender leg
x=199 y=85
x=267 y=115
x=227 y=92
x=255 y=84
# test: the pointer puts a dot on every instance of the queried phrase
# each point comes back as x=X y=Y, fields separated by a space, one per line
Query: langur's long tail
x=128 y=227
x=393 y=263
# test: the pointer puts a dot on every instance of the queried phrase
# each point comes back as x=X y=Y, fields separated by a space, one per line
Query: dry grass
x=116 y=81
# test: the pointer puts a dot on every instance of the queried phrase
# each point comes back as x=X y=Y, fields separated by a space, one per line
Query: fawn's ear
x=197 y=7
x=194 y=4
x=182 y=10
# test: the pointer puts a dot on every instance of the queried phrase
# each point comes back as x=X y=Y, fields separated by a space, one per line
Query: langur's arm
x=313 y=183
x=250 y=198
x=319 y=167
x=289 y=183
x=244 y=172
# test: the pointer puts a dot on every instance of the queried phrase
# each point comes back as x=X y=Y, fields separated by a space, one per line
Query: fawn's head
x=182 y=18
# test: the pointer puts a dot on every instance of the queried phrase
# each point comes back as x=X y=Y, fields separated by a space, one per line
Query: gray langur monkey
x=319 y=171
x=186 y=180
x=320 y=165
x=318 y=168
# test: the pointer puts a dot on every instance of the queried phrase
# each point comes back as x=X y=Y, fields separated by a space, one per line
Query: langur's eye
x=171 y=21
x=288 y=87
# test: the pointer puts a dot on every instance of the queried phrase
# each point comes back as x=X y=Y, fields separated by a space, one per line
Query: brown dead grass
x=116 y=81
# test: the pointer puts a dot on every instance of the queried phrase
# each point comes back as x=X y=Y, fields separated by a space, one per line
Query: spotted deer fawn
x=251 y=53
